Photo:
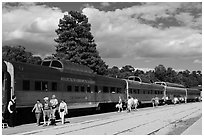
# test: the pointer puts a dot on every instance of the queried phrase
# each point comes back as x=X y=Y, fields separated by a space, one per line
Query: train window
x=82 y=88
x=88 y=89
x=138 y=91
x=77 y=88
x=56 y=64
x=112 y=89
x=130 y=91
x=54 y=86
x=37 y=85
x=105 y=89
x=26 y=84
x=41 y=85
x=131 y=78
x=44 y=85
x=69 y=88
x=46 y=63
x=143 y=91
x=119 y=90
x=96 y=88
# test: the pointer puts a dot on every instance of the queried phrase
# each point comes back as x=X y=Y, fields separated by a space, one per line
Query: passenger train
x=79 y=86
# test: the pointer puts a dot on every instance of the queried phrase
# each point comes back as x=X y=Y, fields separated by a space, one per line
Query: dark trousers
x=12 y=119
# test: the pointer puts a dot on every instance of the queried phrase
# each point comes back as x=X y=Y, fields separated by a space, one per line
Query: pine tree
x=76 y=43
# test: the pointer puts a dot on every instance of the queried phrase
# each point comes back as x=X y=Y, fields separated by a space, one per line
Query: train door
x=6 y=91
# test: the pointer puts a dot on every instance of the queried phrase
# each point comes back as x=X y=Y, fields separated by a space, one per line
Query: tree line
x=75 y=43
x=159 y=73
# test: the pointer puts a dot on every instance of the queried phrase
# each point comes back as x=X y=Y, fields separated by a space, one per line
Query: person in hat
x=54 y=103
x=46 y=111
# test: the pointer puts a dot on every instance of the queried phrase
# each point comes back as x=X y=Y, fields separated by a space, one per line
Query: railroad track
x=142 y=122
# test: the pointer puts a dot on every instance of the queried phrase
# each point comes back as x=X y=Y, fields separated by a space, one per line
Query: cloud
x=121 y=33
x=30 y=24
x=197 y=61
x=150 y=30
x=105 y=4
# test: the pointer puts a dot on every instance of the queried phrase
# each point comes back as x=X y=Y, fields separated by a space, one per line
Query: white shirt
x=63 y=105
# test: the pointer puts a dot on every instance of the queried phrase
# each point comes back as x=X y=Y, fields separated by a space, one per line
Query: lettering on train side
x=78 y=80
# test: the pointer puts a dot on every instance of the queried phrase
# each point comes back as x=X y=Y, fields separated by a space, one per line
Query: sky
x=142 y=35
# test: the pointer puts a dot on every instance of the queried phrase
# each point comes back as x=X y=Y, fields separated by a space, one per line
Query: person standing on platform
x=153 y=102
x=129 y=104
x=38 y=107
x=136 y=103
x=12 y=111
x=54 y=103
x=63 y=110
x=120 y=105
x=156 y=101
x=46 y=111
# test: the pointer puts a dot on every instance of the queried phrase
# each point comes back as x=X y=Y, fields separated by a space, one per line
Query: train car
x=108 y=90
x=144 y=92
x=32 y=82
x=193 y=95
x=76 y=84
x=173 y=91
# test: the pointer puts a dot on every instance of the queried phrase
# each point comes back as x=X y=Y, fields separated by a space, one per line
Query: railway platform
x=145 y=121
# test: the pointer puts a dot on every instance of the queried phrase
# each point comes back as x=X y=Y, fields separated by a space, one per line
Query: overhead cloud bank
x=150 y=30
x=30 y=25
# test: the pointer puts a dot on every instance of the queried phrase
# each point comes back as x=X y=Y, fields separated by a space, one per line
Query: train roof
x=143 y=85
x=109 y=80
x=46 y=70
x=65 y=66
x=139 y=79
x=168 y=84
x=194 y=89
x=197 y=88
